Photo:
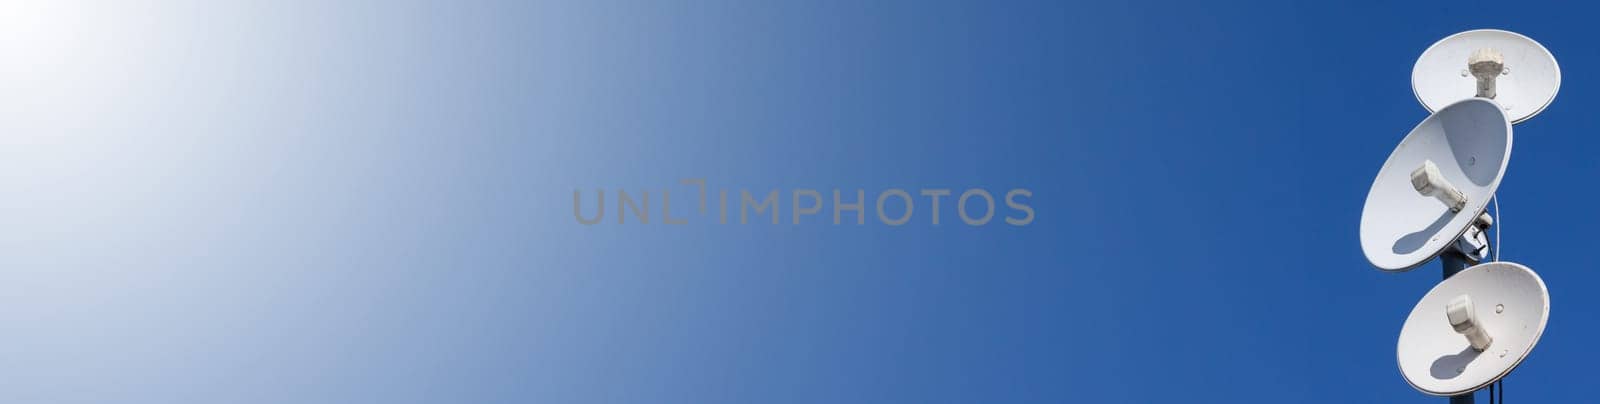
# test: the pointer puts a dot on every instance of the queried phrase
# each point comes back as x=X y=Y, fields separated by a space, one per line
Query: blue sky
x=370 y=201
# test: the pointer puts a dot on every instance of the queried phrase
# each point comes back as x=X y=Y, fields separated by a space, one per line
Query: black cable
x=1491 y=391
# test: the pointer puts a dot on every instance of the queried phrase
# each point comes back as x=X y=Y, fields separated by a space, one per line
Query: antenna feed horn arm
x=1464 y=319
x=1428 y=181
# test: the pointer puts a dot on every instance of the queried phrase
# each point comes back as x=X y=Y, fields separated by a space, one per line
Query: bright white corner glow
x=39 y=37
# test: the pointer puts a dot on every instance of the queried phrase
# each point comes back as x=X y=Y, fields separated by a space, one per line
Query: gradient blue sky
x=371 y=201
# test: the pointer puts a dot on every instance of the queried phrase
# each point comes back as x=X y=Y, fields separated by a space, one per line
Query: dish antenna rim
x=1478 y=201
x=1487 y=277
x=1431 y=54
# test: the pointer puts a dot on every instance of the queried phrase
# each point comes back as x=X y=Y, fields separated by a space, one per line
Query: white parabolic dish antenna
x=1467 y=144
x=1510 y=305
x=1527 y=85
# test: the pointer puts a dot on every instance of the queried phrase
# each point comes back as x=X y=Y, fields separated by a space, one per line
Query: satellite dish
x=1435 y=184
x=1527 y=83
x=1473 y=328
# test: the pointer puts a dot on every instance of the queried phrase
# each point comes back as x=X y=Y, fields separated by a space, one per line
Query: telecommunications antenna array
x=1473 y=328
x=1436 y=184
x=1519 y=73
x=1428 y=201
